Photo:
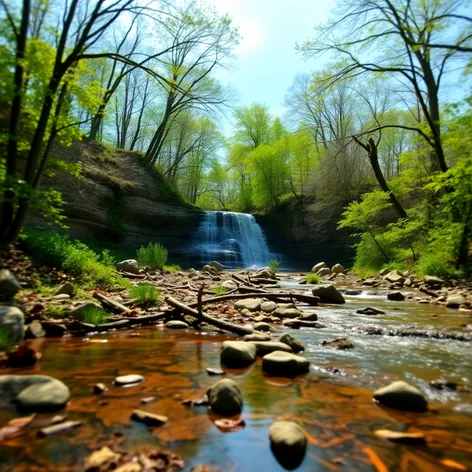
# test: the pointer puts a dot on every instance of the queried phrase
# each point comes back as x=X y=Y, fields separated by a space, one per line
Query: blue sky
x=267 y=61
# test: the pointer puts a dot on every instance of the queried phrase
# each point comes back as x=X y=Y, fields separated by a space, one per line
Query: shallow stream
x=333 y=403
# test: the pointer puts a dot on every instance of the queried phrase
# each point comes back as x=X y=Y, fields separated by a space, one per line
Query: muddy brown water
x=336 y=410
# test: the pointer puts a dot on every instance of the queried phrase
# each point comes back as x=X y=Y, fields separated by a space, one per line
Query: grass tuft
x=6 y=341
x=274 y=266
x=219 y=290
x=172 y=268
x=313 y=279
x=95 y=316
x=145 y=294
x=55 y=311
x=154 y=255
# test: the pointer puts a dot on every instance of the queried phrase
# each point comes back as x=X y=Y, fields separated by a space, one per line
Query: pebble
x=128 y=379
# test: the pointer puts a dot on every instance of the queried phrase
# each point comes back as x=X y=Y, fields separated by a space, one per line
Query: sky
x=267 y=61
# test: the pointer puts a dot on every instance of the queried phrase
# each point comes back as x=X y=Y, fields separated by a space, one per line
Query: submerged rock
x=288 y=443
x=225 y=398
x=266 y=347
x=328 y=294
x=237 y=353
x=339 y=343
x=149 y=419
x=12 y=323
x=284 y=364
x=176 y=324
x=402 y=396
x=293 y=342
x=309 y=317
x=36 y=393
x=370 y=310
x=396 y=296
x=9 y=285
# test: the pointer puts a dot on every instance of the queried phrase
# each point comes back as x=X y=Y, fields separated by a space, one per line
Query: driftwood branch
x=109 y=303
x=203 y=317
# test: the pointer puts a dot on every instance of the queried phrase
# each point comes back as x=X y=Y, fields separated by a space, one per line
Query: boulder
x=288 y=443
x=229 y=284
x=252 y=304
x=34 y=393
x=262 y=326
x=402 y=396
x=396 y=296
x=285 y=313
x=284 y=364
x=265 y=273
x=433 y=280
x=12 y=322
x=455 y=300
x=292 y=341
x=176 y=324
x=78 y=312
x=128 y=379
x=224 y=397
x=317 y=267
x=35 y=330
x=237 y=353
x=328 y=294
x=217 y=266
x=337 y=269
x=395 y=277
x=67 y=289
x=268 y=307
x=256 y=337
x=266 y=347
x=9 y=286
x=129 y=265
x=324 y=271
x=309 y=317
x=210 y=269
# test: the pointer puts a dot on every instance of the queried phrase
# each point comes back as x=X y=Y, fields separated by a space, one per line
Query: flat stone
x=61 y=296
x=401 y=438
x=176 y=324
x=211 y=371
x=285 y=313
x=12 y=321
x=237 y=353
x=433 y=280
x=149 y=419
x=296 y=324
x=256 y=337
x=293 y=342
x=266 y=347
x=268 y=307
x=35 y=393
x=402 y=396
x=229 y=284
x=251 y=304
x=262 y=326
x=284 y=364
x=225 y=398
x=288 y=443
x=9 y=285
x=308 y=317
x=66 y=289
x=395 y=277
x=128 y=379
x=328 y=293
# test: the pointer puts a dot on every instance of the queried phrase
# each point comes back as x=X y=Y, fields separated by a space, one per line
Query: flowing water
x=234 y=239
x=335 y=409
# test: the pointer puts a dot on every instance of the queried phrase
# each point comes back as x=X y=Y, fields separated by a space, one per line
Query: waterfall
x=233 y=239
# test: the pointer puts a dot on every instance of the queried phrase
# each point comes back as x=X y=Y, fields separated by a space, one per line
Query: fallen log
x=238 y=279
x=58 y=428
x=263 y=281
x=109 y=303
x=203 y=317
x=309 y=299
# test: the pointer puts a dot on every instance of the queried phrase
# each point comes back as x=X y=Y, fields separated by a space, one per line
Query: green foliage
x=313 y=279
x=274 y=266
x=154 y=256
x=75 y=258
x=55 y=311
x=95 y=315
x=6 y=341
x=145 y=294
x=172 y=268
x=219 y=290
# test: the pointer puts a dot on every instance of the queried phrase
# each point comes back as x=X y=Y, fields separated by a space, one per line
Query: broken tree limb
x=109 y=303
x=238 y=279
x=203 y=317
x=252 y=289
x=309 y=299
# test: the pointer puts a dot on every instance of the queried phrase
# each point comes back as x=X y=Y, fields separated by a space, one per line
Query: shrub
x=95 y=316
x=274 y=266
x=172 y=268
x=313 y=279
x=219 y=290
x=75 y=257
x=153 y=256
x=55 y=311
x=145 y=293
x=6 y=341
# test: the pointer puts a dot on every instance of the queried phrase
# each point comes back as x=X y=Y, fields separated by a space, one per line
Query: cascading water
x=233 y=239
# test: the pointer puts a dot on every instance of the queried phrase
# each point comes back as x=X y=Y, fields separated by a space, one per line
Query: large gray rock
x=324 y=271
x=12 y=322
x=237 y=353
x=328 y=294
x=9 y=286
x=285 y=313
x=317 y=267
x=78 y=313
x=266 y=347
x=257 y=337
x=36 y=393
x=66 y=289
x=268 y=307
x=262 y=326
x=224 y=397
x=395 y=277
x=455 y=300
x=129 y=265
x=35 y=330
x=284 y=364
x=293 y=342
x=216 y=265
x=337 y=269
x=402 y=396
x=288 y=443
x=229 y=284
x=251 y=304
x=433 y=280
x=176 y=324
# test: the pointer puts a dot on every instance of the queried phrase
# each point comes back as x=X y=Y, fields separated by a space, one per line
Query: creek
x=333 y=402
